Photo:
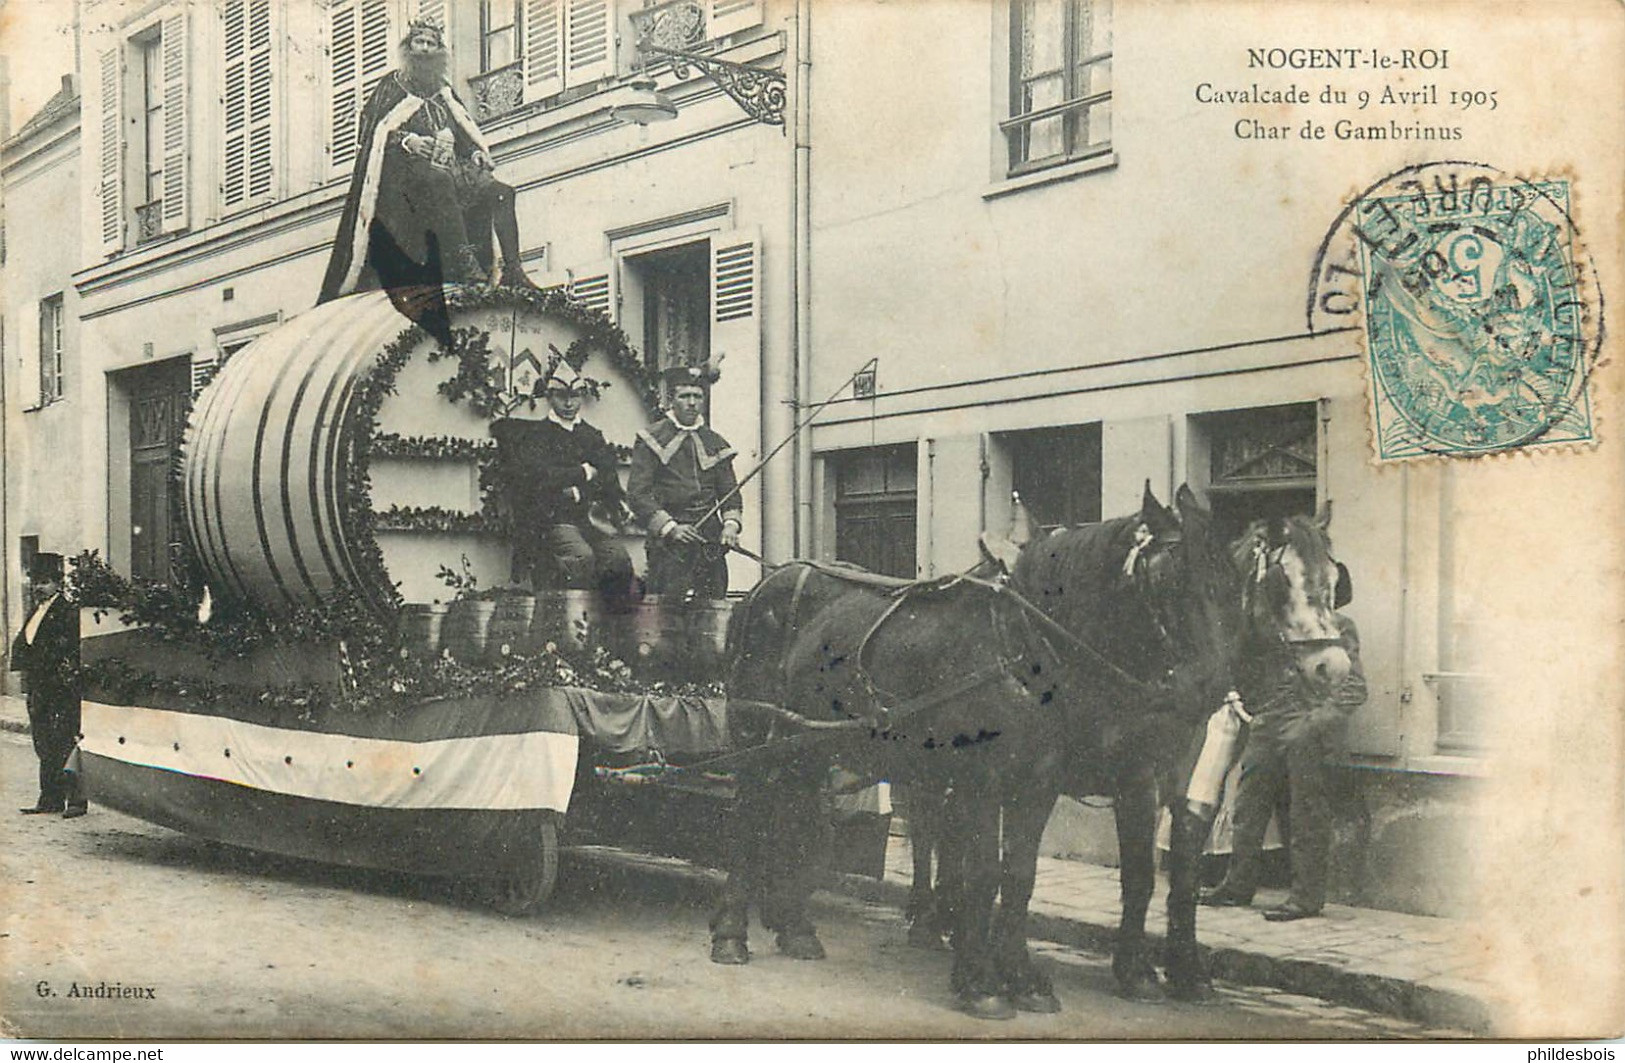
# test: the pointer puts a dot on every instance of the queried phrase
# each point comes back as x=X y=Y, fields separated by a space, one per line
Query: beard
x=427 y=71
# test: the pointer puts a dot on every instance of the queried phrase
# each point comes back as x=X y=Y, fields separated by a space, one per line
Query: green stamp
x=1481 y=323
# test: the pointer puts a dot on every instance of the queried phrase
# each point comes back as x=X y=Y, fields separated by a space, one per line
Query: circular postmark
x=1479 y=306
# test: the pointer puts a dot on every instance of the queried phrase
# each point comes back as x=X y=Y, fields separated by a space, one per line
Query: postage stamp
x=1479 y=309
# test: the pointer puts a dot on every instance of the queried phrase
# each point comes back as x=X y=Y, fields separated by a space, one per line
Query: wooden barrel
x=266 y=452
x=292 y=495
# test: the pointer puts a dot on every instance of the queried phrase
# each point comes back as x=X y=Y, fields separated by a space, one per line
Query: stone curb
x=1382 y=994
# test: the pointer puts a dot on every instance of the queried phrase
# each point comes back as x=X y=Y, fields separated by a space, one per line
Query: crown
x=428 y=24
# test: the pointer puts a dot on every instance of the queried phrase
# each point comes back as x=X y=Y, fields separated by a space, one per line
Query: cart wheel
x=525 y=892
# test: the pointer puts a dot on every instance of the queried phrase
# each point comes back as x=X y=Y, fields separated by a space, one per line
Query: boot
x=467 y=267
x=513 y=275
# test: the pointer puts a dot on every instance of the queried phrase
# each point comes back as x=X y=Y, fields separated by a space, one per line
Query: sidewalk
x=1407 y=966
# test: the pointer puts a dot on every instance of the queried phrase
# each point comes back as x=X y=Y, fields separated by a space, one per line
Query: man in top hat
x=683 y=490
x=550 y=473
x=423 y=199
x=46 y=652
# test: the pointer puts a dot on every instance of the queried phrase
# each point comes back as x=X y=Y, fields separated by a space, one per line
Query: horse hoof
x=1038 y=1003
x=1192 y=992
x=730 y=951
x=924 y=936
x=802 y=946
x=986 y=1006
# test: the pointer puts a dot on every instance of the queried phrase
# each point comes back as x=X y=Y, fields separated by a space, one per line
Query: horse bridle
x=1267 y=558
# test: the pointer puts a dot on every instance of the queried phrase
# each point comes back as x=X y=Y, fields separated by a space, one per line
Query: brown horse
x=1094 y=666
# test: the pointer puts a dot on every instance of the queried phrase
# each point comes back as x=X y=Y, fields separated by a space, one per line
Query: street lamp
x=673 y=31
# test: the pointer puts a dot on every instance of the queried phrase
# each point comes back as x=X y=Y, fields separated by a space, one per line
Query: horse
x=1290 y=587
x=1095 y=659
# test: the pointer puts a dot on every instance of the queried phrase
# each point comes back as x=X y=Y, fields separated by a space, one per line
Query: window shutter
x=177 y=151
x=111 y=190
x=589 y=41
x=435 y=9
x=358 y=56
x=248 y=168
x=734 y=289
x=595 y=287
x=204 y=366
x=544 y=48
x=729 y=16
x=261 y=99
x=736 y=339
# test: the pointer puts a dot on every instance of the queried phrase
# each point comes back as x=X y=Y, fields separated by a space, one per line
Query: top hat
x=46 y=567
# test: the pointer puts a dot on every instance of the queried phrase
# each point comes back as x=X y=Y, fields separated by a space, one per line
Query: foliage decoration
x=394 y=445
x=598 y=335
x=433 y=519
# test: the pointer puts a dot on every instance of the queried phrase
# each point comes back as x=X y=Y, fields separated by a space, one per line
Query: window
x=499 y=34
x=51 y=376
x=146 y=176
x=1056 y=471
x=249 y=103
x=150 y=134
x=676 y=304
x=1260 y=463
x=875 y=502
x=1060 y=82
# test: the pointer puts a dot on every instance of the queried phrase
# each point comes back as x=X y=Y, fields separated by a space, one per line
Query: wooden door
x=159 y=399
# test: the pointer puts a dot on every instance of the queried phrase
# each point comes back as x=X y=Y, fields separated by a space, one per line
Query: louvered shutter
x=358 y=57
x=177 y=151
x=544 y=49
x=589 y=41
x=261 y=100
x=111 y=150
x=435 y=9
x=736 y=399
x=204 y=366
x=723 y=17
x=248 y=165
x=595 y=287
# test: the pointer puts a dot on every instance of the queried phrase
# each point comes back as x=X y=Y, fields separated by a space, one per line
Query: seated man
x=683 y=489
x=550 y=472
x=422 y=200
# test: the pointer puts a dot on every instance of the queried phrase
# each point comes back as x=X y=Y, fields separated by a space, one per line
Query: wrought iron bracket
x=671 y=31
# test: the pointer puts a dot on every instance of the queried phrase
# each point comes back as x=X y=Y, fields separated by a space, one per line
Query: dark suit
x=50 y=663
x=547 y=492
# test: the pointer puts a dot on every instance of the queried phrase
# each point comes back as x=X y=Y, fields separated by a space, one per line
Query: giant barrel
x=292 y=495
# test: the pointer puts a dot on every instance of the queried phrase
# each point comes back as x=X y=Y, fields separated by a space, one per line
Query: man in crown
x=550 y=473
x=683 y=490
x=423 y=198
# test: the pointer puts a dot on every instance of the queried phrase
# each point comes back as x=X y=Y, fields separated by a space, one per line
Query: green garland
x=433 y=519
x=598 y=333
x=393 y=445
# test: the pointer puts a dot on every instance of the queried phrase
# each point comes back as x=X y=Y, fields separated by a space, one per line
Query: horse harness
x=902 y=592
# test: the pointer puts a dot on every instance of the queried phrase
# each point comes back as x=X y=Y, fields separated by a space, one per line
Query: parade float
x=342 y=669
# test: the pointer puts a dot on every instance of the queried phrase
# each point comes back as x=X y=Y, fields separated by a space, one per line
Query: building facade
x=1029 y=230
x=1016 y=220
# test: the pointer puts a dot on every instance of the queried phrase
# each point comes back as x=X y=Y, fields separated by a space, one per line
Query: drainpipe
x=801 y=209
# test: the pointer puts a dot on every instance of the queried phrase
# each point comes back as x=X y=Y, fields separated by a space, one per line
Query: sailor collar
x=667 y=450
